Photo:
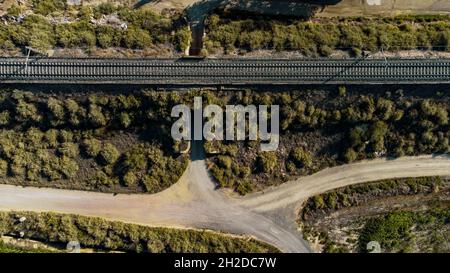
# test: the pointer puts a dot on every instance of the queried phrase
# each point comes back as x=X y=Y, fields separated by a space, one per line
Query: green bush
x=57 y=113
x=301 y=157
x=46 y=7
x=3 y=168
x=224 y=161
x=109 y=154
x=125 y=120
x=136 y=38
x=74 y=111
x=96 y=116
x=323 y=36
x=101 y=179
x=27 y=112
x=182 y=39
x=92 y=147
x=51 y=138
x=267 y=162
x=390 y=231
x=14 y=10
x=130 y=179
x=68 y=149
x=4 y=118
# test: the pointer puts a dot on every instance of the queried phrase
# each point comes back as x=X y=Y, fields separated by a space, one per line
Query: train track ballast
x=223 y=71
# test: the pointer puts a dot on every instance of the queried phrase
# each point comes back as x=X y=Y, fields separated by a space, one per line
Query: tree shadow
x=141 y=3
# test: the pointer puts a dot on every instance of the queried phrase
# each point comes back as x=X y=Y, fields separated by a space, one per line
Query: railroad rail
x=223 y=71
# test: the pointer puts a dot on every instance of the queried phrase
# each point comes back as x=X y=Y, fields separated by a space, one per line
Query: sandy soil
x=386 y=7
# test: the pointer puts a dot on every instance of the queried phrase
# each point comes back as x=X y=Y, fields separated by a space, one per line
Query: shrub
x=26 y=112
x=342 y=91
x=46 y=7
x=182 y=38
x=14 y=10
x=92 y=147
x=68 y=167
x=125 y=120
x=224 y=161
x=136 y=159
x=350 y=155
x=33 y=138
x=99 y=233
x=3 y=168
x=390 y=231
x=17 y=167
x=75 y=112
x=378 y=131
x=96 y=116
x=69 y=149
x=4 y=118
x=51 y=138
x=130 y=179
x=57 y=112
x=244 y=187
x=50 y=168
x=301 y=157
x=136 y=38
x=267 y=161
x=109 y=154
x=65 y=136
x=101 y=179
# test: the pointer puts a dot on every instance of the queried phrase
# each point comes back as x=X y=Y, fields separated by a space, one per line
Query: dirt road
x=291 y=192
x=194 y=202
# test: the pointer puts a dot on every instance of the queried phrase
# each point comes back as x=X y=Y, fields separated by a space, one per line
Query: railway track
x=223 y=71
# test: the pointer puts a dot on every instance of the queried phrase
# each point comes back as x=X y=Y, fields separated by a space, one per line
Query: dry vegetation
x=95 y=30
x=102 y=142
x=403 y=215
x=322 y=37
x=324 y=128
x=101 y=234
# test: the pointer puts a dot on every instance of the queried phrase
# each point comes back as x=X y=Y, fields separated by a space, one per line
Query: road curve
x=194 y=202
x=365 y=171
